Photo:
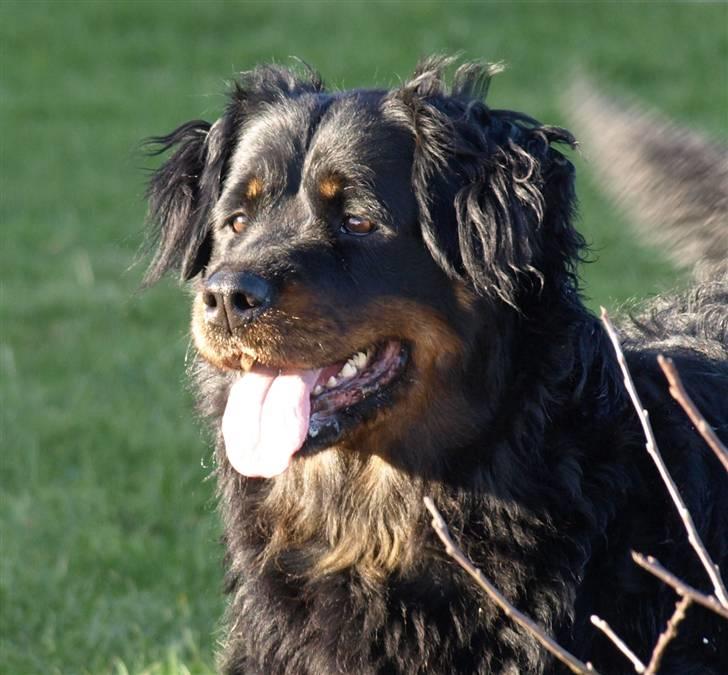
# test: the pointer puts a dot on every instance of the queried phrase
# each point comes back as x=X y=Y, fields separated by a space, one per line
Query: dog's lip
x=364 y=373
x=370 y=371
x=337 y=410
x=245 y=359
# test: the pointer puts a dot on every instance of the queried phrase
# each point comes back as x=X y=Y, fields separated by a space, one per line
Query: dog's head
x=352 y=252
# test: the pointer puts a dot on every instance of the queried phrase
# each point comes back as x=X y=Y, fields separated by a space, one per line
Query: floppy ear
x=495 y=198
x=514 y=213
x=181 y=194
x=184 y=189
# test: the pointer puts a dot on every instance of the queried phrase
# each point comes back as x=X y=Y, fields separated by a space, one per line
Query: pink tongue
x=266 y=419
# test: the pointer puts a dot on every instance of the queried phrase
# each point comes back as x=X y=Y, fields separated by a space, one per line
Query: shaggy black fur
x=510 y=413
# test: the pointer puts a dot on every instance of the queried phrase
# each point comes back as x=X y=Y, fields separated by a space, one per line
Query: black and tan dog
x=387 y=307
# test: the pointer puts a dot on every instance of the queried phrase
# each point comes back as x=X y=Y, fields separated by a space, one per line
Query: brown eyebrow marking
x=254 y=188
x=330 y=186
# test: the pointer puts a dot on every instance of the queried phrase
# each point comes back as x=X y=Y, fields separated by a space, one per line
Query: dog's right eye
x=237 y=223
x=357 y=226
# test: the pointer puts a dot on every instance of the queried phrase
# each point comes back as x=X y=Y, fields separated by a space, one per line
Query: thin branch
x=603 y=626
x=682 y=397
x=693 y=537
x=668 y=634
x=678 y=585
x=452 y=549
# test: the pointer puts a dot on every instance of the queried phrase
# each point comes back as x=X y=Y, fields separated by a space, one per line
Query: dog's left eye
x=238 y=222
x=356 y=225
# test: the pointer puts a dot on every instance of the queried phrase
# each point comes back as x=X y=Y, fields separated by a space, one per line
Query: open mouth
x=362 y=375
x=272 y=414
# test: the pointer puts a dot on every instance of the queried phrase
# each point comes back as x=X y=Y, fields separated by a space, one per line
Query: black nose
x=233 y=298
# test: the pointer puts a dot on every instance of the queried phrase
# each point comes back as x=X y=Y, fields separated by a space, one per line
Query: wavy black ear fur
x=182 y=192
x=496 y=199
x=177 y=206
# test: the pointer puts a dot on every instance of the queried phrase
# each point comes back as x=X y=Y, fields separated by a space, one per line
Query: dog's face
x=351 y=252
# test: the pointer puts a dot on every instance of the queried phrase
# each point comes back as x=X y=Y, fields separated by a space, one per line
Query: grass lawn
x=109 y=561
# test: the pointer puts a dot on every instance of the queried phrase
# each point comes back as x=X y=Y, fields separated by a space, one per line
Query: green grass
x=109 y=561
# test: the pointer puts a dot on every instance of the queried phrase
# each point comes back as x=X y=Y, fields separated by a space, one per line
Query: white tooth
x=348 y=370
x=360 y=359
x=331 y=382
x=317 y=390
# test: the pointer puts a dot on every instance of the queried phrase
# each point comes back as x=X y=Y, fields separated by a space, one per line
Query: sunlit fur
x=510 y=414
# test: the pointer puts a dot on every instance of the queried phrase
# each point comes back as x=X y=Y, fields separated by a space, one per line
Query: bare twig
x=678 y=585
x=668 y=634
x=618 y=642
x=682 y=397
x=693 y=537
x=452 y=549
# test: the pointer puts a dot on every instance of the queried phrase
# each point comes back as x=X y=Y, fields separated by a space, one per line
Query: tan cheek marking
x=330 y=187
x=254 y=188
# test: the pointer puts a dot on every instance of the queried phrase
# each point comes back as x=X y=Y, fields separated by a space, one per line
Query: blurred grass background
x=109 y=561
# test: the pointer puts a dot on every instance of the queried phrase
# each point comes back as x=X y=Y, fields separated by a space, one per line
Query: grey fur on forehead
x=288 y=97
x=279 y=104
x=282 y=124
x=343 y=132
x=354 y=133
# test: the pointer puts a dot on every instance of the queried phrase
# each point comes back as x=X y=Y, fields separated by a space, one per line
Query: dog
x=387 y=307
